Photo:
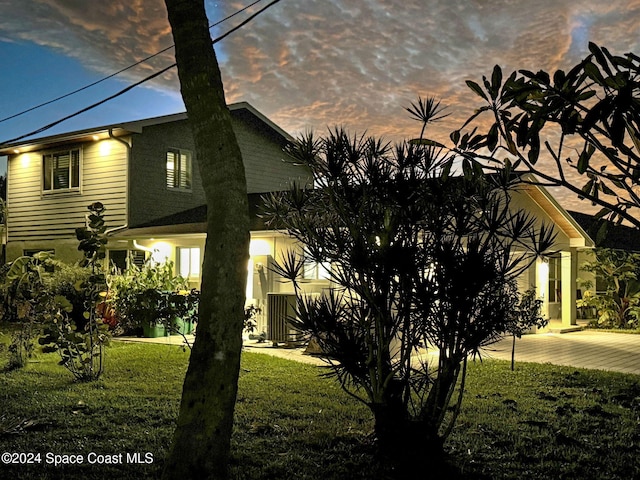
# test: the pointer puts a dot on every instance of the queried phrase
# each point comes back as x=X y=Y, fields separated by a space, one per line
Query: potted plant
x=148 y=310
x=183 y=310
x=144 y=299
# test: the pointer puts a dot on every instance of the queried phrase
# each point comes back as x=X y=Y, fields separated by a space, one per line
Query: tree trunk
x=407 y=445
x=201 y=442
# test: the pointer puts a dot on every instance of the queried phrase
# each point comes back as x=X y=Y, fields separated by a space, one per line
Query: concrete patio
x=617 y=352
x=586 y=349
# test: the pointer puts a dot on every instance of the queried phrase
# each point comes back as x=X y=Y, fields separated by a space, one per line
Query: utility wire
x=119 y=71
x=130 y=87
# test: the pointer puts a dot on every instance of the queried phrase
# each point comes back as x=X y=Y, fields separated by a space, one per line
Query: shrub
x=25 y=298
x=418 y=257
x=151 y=294
x=58 y=303
x=81 y=343
x=618 y=306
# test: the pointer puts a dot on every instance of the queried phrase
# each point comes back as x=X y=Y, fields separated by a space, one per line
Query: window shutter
x=171 y=169
x=185 y=170
x=61 y=171
x=75 y=168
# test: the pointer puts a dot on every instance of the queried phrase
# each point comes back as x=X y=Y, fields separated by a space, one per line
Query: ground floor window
x=32 y=251
x=555 y=282
x=315 y=270
x=189 y=262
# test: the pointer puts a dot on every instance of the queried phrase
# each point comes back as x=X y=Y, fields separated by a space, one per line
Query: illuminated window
x=555 y=276
x=61 y=170
x=179 y=169
x=315 y=270
x=189 y=262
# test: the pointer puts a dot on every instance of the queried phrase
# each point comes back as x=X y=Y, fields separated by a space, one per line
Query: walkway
x=586 y=349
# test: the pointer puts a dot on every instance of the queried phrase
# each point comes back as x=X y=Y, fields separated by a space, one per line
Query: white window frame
x=313 y=270
x=74 y=173
x=192 y=267
x=179 y=169
x=555 y=279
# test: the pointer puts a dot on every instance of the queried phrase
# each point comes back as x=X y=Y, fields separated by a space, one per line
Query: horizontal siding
x=34 y=215
x=45 y=222
x=268 y=168
x=149 y=196
x=23 y=204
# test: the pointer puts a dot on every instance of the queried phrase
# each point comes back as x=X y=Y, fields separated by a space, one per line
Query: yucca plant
x=424 y=249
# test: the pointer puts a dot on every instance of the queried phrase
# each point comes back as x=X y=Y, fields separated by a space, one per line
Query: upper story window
x=179 y=169
x=61 y=170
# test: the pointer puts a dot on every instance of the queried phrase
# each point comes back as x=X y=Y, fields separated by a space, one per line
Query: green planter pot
x=180 y=327
x=154 y=330
x=188 y=327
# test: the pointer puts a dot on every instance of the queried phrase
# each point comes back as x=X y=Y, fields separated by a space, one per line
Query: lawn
x=540 y=421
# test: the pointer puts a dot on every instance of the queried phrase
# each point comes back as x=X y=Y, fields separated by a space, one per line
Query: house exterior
x=554 y=278
x=145 y=173
x=140 y=171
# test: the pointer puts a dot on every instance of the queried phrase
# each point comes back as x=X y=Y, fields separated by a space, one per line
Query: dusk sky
x=305 y=64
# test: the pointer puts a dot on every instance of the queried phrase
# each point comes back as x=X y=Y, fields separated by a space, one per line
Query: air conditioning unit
x=280 y=308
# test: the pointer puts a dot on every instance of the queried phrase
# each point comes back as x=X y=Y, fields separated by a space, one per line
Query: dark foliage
x=425 y=250
x=586 y=121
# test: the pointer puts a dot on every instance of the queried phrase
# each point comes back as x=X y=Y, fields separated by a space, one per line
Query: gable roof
x=241 y=110
x=562 y=219
x=620 y=237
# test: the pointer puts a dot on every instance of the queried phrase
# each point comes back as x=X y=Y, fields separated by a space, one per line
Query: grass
x=540 y=421
x=543 y=421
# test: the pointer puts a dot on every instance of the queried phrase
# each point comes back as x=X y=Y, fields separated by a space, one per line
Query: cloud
x=104 y=36
x=352 y=63
x=333 y=62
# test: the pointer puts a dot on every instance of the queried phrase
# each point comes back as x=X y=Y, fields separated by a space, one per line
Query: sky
x=305 y=64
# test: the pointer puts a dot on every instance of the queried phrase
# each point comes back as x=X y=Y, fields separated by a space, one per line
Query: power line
x=44 y=104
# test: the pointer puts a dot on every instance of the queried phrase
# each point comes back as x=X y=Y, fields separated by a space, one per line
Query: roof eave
x=578 y=237
x=90 y=134
x=123 y=129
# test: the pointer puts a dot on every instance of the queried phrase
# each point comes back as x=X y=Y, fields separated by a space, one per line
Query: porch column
x=569 y=275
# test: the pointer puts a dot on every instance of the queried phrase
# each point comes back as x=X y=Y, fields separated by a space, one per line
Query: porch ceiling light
x=105 y=148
